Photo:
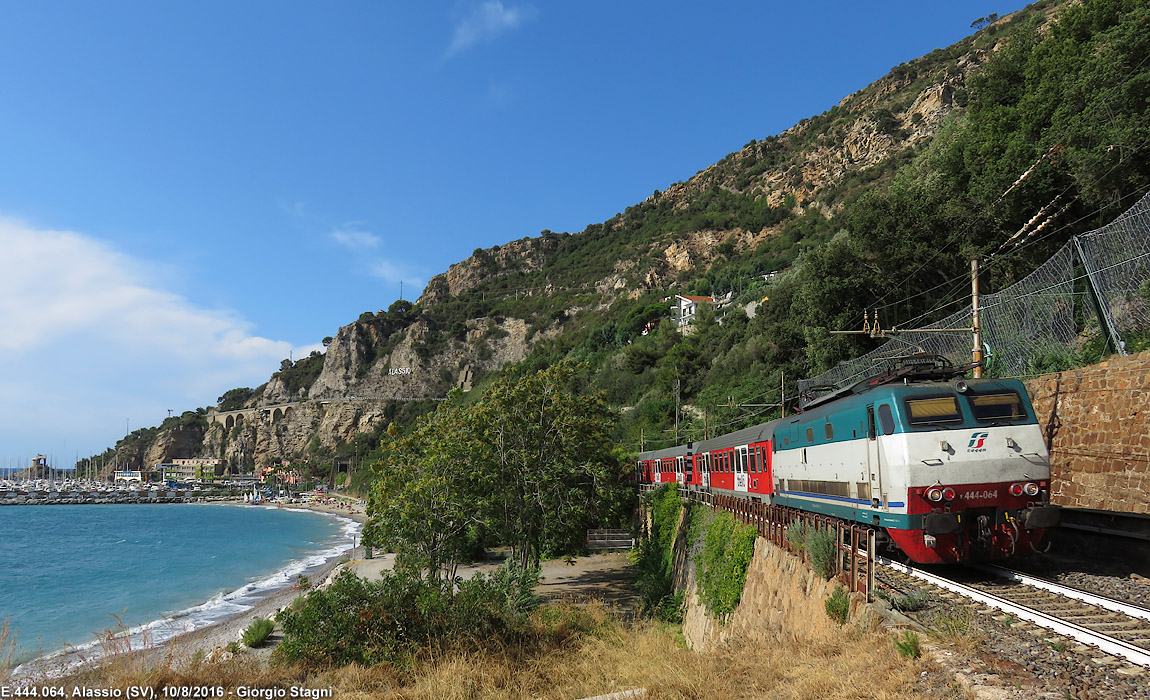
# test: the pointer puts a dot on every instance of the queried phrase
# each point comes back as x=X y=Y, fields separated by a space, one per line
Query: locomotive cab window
x=999 y=406
x=933 y=411
x=886 y=419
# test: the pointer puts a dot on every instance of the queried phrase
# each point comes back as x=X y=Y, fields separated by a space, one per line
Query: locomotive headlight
x=1016 y=489
x=934 y=494
x=1030 y=489
x=948 y=493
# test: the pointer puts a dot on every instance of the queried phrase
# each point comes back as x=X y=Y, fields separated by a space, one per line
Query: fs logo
x=976 y=442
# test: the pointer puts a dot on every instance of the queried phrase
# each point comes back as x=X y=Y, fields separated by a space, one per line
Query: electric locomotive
x=948 y=470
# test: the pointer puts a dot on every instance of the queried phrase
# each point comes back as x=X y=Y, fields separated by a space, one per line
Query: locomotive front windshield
x=938 y=412
x=933 y=411
x=999 y=406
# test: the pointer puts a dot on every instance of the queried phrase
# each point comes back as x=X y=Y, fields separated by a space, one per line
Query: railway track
x=1117 y=628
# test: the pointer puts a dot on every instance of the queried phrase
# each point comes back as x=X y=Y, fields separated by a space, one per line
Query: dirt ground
x=608 y=578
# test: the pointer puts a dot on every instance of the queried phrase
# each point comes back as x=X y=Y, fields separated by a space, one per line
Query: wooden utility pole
x=975 y=321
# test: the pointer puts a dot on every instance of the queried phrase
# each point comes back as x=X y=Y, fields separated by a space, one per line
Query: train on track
x=946 y=469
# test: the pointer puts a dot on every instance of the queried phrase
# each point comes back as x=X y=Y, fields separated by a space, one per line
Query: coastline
x=190 y=646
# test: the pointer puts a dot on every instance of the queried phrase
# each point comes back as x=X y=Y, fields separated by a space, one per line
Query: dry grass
x=7 y=648
x=647 y=655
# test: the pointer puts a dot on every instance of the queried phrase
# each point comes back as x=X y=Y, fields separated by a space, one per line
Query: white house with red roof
x=685 y=308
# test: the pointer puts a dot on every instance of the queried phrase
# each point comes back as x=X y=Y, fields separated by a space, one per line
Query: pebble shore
x=206 y=642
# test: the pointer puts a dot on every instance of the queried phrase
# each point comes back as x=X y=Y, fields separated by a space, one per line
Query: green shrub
x=258 y=632
x=655 y=556
x=820 y=545
x=908 y=646
x=838 y=606
x=797 y=536
x=402 y=617
x=727 y=551
x=952 y=622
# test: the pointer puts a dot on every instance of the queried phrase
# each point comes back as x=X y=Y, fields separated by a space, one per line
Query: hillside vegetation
x=878 y=203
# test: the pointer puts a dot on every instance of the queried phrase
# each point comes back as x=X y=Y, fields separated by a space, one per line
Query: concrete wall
x=1097 y=425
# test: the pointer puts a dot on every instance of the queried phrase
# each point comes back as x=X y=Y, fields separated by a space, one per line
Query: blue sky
x=191 y=191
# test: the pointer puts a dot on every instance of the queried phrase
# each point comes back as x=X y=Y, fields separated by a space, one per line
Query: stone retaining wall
x=783 y=598
x=1097 y=426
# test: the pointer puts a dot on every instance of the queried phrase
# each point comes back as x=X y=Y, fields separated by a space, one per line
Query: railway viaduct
x=276 y=412
x=269 y=414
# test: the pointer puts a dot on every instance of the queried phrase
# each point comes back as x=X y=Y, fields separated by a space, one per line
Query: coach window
x=886 y=419
x=829 y=431
x=810 y=435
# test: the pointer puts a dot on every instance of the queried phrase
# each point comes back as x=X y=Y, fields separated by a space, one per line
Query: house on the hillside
x=685 y=308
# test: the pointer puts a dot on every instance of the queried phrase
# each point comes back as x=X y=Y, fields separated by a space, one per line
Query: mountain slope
x=876 y=204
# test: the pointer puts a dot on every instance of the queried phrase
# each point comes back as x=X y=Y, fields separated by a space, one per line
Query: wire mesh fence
x=1094 y=290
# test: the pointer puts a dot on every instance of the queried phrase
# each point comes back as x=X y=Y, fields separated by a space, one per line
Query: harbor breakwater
x=49 y=498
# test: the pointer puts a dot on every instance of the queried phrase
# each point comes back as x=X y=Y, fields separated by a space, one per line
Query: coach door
x=705 y=458
x=741 y=469
x=874 y=467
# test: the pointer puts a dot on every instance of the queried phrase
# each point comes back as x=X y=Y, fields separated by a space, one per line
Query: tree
x=233 y=399
x=422 y=504
x=545 y=460
x=328 y=341
x=531 y=463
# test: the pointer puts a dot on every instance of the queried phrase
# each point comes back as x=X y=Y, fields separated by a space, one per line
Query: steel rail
x=1094 y=599
x=1106 y=643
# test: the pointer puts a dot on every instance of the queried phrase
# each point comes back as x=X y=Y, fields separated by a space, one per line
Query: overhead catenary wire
x=1103 y=101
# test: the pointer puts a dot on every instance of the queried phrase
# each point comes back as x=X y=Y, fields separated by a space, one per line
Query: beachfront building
x=195 y=469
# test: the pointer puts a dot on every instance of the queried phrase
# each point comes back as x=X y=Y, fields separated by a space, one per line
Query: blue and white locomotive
x=951 y=470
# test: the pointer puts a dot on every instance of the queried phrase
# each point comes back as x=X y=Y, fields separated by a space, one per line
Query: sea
x=70 y=574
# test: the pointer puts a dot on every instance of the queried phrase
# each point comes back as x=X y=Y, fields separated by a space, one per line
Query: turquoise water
x=69 y=572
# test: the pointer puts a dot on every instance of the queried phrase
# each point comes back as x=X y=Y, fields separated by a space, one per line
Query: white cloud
x=89 y=332
x=485 y=22
x=394 y=274
x=356 y=240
